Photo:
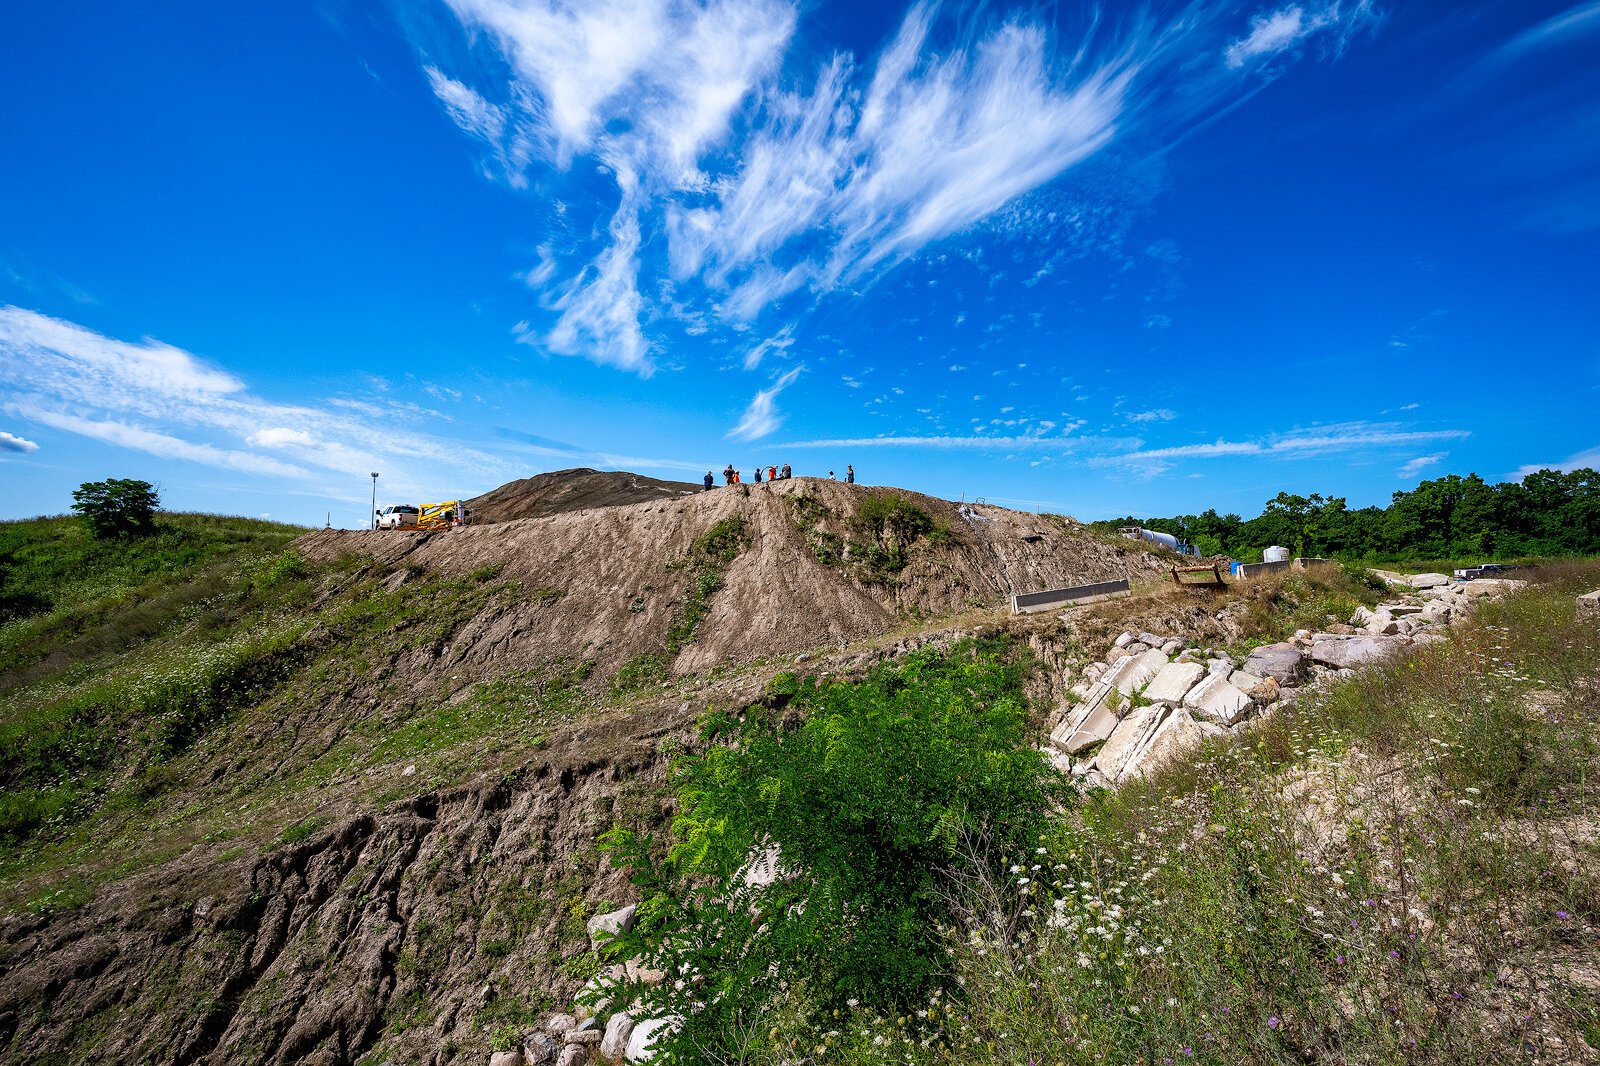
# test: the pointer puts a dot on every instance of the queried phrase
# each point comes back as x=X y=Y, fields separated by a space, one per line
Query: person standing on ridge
x=727 y=474
x=772 y=473
x=710 y=481
x=849 y=474
x=758 y=475
x=786 y=472
x=832 y=476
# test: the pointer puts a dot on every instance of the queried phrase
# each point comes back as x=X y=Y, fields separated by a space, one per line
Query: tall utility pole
x=374 y=499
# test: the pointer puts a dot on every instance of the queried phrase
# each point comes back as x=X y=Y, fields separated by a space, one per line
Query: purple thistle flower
x=1273 y=1022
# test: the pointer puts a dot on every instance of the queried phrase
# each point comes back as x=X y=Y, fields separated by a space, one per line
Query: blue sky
x=1134 y=259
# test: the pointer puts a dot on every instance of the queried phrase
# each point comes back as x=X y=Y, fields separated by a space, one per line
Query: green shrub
x=873 y=803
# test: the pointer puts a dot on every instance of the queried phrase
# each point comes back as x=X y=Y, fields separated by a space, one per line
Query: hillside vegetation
x=276 y=797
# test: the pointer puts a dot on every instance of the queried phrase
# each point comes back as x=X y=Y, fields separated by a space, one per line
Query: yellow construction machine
x=446 y=515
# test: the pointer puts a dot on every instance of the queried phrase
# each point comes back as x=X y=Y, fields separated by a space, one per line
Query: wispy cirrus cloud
x=155 y=398
x=10 y=442
x=1344 y=438
x=1416 y=466
x=761 y=418
x=772 y=185
x=1588 y=459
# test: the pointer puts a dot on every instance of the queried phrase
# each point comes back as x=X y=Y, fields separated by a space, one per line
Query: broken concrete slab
x=1096 y=727
x=1428 y=581
x=1128 y=738
x=1173 y=682
x=1132 y=674
x=1215 y=698
x=1261 y=689
x=1178 y=733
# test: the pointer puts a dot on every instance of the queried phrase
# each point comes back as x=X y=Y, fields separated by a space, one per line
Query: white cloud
x=1347 y=437
x=168 y=446
x=776 y=344
x=1573 y=24
x=762 y=417
x=10 y=442
x=1278 y=31
x=282 y=437
x=158 y=399
x=1413 y=467
x=600 y=311
x=1584 y=460
x=763 y=186
x=1160 y=414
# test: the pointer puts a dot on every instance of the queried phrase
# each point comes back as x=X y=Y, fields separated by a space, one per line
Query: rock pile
x=1152 y=697
x=593 y=1031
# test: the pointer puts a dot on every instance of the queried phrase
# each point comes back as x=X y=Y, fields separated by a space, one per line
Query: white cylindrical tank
x=1154 y=536
x=1275 y=554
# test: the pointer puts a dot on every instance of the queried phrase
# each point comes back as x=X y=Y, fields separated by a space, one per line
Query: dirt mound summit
x=580 y=489
x=739 y=573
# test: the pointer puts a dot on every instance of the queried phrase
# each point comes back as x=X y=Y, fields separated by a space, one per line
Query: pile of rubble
x=593 y=1031
x=1152 y=697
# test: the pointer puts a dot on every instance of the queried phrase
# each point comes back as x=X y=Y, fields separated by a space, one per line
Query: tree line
x=1547 y=513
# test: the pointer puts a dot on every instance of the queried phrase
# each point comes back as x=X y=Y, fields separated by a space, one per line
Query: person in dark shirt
x=710 y=481
x=786 y=474
x=849 y=475
x=758 y=475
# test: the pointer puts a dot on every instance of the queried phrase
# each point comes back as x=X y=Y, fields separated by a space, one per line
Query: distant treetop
x=117 y=507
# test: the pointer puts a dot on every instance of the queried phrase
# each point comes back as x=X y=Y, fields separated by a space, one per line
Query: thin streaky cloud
x=1413 y=467
x=1588 y=459
x=761 y=418
x=1570 y=26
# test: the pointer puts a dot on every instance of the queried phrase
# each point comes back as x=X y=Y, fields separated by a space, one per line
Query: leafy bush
x=867 y=804
x=117 y=507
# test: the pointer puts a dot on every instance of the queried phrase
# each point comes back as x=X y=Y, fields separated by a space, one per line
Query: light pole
x=374 y=500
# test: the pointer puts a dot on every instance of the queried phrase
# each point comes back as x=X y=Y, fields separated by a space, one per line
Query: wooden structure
x=1199 y=577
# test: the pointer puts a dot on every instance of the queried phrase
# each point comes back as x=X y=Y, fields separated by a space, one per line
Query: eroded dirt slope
x=607 y=584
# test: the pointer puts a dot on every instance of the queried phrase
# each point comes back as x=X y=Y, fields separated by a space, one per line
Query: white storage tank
x=1275 y=554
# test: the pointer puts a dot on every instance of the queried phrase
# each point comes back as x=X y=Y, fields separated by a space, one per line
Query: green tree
x=117 y=507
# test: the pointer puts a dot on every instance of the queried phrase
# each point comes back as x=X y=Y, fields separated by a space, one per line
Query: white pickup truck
x=400 y=516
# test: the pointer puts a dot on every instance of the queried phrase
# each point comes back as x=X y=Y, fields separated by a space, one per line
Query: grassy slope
x=1403 y=868
x=205 y=684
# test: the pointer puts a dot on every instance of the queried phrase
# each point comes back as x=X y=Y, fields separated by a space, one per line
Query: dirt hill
x=561 y=491
x=375 y=838
x=811 y=563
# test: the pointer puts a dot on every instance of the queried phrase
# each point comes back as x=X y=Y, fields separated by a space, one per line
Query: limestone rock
x=602 y=927
x=614 y=1044
x=539 y=1050
x=1355 y=651
x=506 y=1058
x=641 y=1041
x=1428 y=581
x=573 y=1055
x=1436 y=612
x=1260 y=689
x=1127 y=739
x=1361 y=617
x=1399 y=610
x=1283 y=662
x=1172 y=647
x=1124 y=640
x=559 y=1024
x=1216 y=699
x=1136 y=648
x=1382 y=625
x=1173 y=682
x=1116 y=655
x=590 y=1037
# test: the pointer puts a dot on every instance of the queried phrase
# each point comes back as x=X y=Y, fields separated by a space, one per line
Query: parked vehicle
x=400 y=516
x=444 y=515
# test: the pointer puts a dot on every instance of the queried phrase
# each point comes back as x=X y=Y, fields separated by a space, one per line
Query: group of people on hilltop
x=730 y=476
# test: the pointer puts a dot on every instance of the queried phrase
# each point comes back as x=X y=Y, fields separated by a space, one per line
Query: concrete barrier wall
x=1589 y=606
x=1257 y=569
x=1028 y=602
